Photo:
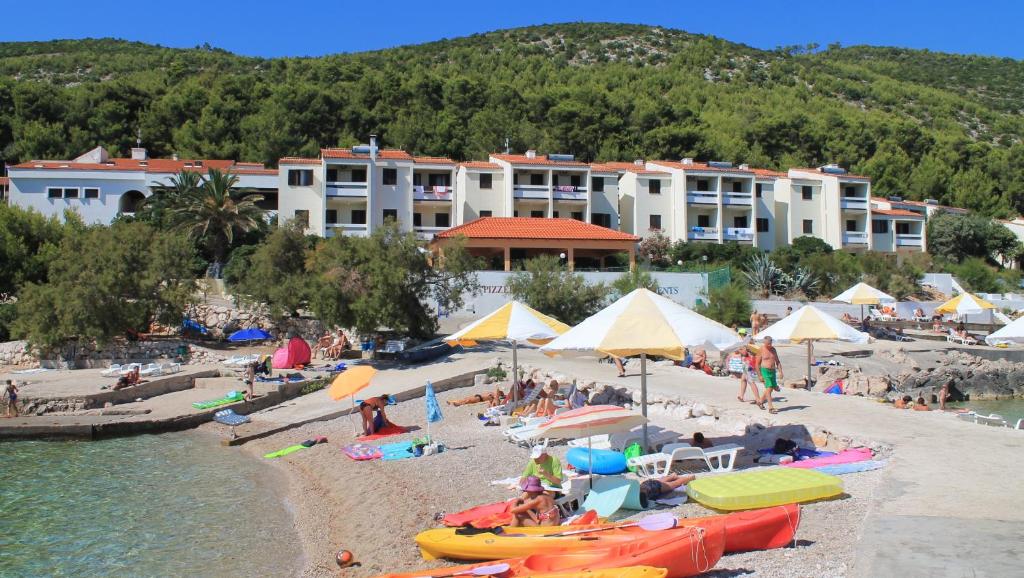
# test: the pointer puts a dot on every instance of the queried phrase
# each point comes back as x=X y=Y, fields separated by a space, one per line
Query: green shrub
x=728 y=305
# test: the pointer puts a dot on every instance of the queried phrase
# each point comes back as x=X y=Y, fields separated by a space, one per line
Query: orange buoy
x=344 y=558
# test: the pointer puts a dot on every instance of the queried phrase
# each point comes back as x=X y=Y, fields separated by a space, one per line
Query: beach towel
x=362 y=452
x=675 y=500
x=284 y=452
x=383 y=433
x=851 y=468
x=843 y=457
x=609 y=494
x=396 y=451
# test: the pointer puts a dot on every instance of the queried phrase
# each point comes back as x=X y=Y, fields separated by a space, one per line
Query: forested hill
x=922 y=124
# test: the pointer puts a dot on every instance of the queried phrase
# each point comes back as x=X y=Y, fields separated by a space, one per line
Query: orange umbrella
x=351 y=381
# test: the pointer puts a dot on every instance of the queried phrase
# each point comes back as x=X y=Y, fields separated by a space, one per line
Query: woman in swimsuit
x=374 y=423
x=535 y=507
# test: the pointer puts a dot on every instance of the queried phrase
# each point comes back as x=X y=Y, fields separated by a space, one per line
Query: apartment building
x=99 y=187
x=899 y=225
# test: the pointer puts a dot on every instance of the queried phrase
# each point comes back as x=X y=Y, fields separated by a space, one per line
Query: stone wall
x=84 y=356
x=223 y=318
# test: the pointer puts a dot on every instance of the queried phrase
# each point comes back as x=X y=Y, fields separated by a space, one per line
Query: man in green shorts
x=771 y=372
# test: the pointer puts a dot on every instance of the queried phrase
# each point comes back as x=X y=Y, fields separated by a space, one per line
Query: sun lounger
x=511 y=406
x=112 y=371
x=240 y=359
x=877 y=314
x=609 y=494
x=172 y=367
x=717 y=459
x=150 y=369
x=656 y=437
x=991 y=419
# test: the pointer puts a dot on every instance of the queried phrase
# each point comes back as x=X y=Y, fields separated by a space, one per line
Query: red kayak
x=685 y=551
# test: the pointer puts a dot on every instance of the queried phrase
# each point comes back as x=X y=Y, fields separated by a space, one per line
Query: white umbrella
x=644 y=323
x=863 y=294
x=1011 y=333
x=810 y=324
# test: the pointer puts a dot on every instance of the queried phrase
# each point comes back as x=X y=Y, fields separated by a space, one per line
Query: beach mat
x=851 y=468
x=285 y=451
x=362 y=452
x=384 y=433
x=396 y=451
x=231 y=397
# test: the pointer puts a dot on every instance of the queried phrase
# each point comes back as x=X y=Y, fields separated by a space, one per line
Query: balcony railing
x=427 y=233
x=437 y=193
x=738 y=199
x=855 y=238
x=853 y=203
x=739 y=234
x=570 y=193
x=702 y=197
x=703 y=233
x=909 y=240
x=530 y=191
x=347 y=229
x=345 y=189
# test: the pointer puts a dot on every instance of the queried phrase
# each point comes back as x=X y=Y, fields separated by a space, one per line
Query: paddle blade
x=487 y=570
x=658 y=522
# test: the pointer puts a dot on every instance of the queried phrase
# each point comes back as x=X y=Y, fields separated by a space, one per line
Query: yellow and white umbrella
x=515 y=322
x=644 y=323
x=811 y=324
x=965 y=304
x=863 y=294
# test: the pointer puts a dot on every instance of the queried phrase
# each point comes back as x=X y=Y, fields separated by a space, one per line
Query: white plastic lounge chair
x=877 y=314
x=172 y=367
x=129 y=367
x=531 y=397
x=991 y=419
x=1020 y=424
x=240 y=359
x=656 y=437
x=111 y=371
x=717 y=459
x=150 y=369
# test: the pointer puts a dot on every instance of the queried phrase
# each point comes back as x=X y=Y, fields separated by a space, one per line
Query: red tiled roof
x=896 y=213
x=838 y=176
x=614 y=167
x=5 y=181
x=479 y=165
x=767 y=173
x=433 y=160
x=696 y=166
x=298 y=161
x=538 y=160
x=385 y=154
x=535 y=228
x=148 y=165
x=919 y=204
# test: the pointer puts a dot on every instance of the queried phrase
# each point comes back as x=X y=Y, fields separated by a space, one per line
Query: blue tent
x=190 y=325
x=251 y=334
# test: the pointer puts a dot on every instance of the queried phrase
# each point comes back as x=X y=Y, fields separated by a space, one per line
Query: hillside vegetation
x=922 y=124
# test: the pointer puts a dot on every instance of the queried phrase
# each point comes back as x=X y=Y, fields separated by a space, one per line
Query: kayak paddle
x=652 y=523
x=478 y=571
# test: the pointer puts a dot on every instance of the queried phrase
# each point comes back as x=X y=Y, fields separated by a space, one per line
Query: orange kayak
x=686 y=551
x=750 y=530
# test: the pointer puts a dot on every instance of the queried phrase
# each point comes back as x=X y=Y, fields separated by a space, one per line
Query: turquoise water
x=1011 y=409
x=168 y=505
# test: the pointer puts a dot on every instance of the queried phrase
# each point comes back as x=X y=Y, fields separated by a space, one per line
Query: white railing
x=699 y=233
x=345 y=189
x=739 y=234
x=738 y=199
x=702 y=197
x=571 y=193
x=432 y=193
x=427 y=233
x=347 y=229
x=855 y=203
x=910 y=240
x=855 y=238
x=530 y=191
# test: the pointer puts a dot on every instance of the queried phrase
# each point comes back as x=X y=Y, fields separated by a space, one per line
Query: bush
x=977 y=276
x=633 y=280
x=728 y=305
x=655 y=249
x=550 y=288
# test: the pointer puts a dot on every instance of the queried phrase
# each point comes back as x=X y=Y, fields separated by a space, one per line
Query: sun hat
x=742 y=331
x=536 y=452
x=531 y=484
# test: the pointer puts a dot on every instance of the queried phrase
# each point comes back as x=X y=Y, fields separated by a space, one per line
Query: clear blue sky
x=281 y=28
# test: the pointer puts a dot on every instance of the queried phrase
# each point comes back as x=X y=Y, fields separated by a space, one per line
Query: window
x=442 y=220
x=578 y=215
x=358 y=216
x=849 y=192
x=597 y=184
x=417 y=219
x=515 y=179
x=54 y=193
x=737 y=187
x=808 y=227
x=739 y=222
x=537 y=214
x=485 y=180
x=703 y=220
x=851 y=225
x=302 y=216
x=762 y=224
x=601 y=219
x=702 y=184
x=574 y=180
x=358 y=175
x=91 y=193
x=655 y=222
x=300 y=177
x=332 y=175
x=389 y=214
x=758 y=189
x=902 y=228
x=489 y=213
x=880 y=227
x=554 y=214
x=390 y=177
x=71 y=193
x=537 y=179
x=332 y=216
x=654 y=187
x=436 y=180
x=417 y=179
x=806 y=192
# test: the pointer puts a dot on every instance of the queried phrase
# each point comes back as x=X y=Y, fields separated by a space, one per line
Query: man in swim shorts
x=771 y=372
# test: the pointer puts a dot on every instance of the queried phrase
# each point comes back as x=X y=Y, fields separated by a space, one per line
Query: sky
x=269 y=29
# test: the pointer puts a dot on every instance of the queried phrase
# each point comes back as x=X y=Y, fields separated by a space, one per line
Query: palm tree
x=157 y=207
x=215 y=211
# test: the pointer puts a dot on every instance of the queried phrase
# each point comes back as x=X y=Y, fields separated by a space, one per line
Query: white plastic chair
x=150 y=369
x=722 y=458
x=660 y=464
x=173 y=367
x=111 y=371
x=1020 y=424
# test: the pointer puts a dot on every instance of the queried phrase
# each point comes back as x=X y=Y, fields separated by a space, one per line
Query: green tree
x=954 y=237
x=157 y=208
x=547 y=286
x=216 y=212
x=976 y=275
x=635 y=279
x=28 y=242
x=275 y=271
x=727 y=304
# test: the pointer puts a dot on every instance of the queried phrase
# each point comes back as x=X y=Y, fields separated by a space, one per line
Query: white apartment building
x=99 y=187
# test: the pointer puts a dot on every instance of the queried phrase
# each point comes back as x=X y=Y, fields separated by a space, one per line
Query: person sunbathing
x=580 y=397
x=323 y=344
x=338 y=346
x=700 y=361
x=374 y=423
x=655 y=488
x=535 y=507
x=699 y=441
x=919 y=313
x=903 y=402
x=921 y=405
x=546 y=403
x=476 y=398
x=849 y=318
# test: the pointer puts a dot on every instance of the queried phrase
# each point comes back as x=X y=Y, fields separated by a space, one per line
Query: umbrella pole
x=810 y=359
x=515 y=372
x=350 y=419
x=643 y=395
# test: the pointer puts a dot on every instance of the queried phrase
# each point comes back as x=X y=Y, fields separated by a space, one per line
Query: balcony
x=703 y=234
x=427 y=233
x=855 y=238
x=702 y=197
x=738 y=199
x=346 y=229
x=530 y=192
x=570 y=193
x=853 y=203
x=739 y=234
x=435 y=193
x=345 y=189
x=909 y=240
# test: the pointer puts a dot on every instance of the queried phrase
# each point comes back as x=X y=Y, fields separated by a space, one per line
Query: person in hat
x=544 y=467
x=535 y=507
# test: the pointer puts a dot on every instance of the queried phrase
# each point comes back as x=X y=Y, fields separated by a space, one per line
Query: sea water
x=1011 y=409
x=167 y=505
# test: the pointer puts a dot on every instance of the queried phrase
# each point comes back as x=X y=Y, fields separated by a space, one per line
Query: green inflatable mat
x=285 y=451
x=231 y=397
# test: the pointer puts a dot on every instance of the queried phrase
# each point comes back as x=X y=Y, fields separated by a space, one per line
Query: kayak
x=687 y=551
x=629 y=572
x=750 y=530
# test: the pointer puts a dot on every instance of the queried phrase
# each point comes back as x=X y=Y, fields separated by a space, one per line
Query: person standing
x=755 y=323
x=771 y=372
x=11 y=393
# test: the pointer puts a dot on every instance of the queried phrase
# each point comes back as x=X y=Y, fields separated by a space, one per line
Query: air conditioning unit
x=531 y=154
x=832 y=169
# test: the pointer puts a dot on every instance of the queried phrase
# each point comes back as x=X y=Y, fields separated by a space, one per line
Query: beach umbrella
x=350 y=382
x=965 y=304
x=863 y=294
x=515 y=322
x=433 y=408
x=811 y=324
x=251 y=334
x=644 y=323
x=1013 y=332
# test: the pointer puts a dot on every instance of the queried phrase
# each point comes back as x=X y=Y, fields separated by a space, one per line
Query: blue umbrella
x=433 y=408
x=251 y=334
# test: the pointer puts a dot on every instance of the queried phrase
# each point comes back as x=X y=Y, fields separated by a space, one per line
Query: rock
x=480 y=379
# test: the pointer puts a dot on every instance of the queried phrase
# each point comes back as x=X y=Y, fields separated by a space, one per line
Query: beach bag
x=784 y=446
x=735 y=364
x=633 y=451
